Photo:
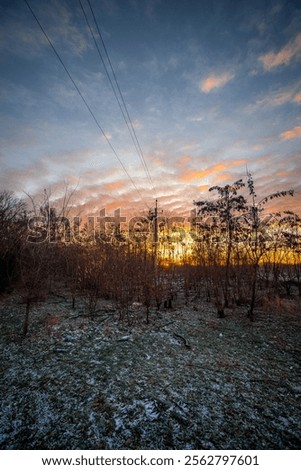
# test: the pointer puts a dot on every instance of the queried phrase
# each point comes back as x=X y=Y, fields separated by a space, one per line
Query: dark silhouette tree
x=35 y=267
x=225 y=211
x=13 y=225
x=259 y=233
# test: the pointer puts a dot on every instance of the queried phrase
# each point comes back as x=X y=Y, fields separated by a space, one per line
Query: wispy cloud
x=284 y=56
x=20 y=33
x=198 y=118
x=215 y=81
x=64 y=28
x=297 y=97
x=18 y=38
x=291 y=133
x=191 y=175
x=114 y=186
x=184 y=160
x=276 y=98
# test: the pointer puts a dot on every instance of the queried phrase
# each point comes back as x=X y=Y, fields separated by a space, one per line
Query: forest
x=233 y=251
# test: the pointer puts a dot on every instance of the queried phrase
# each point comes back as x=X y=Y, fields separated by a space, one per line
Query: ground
x=188 y=380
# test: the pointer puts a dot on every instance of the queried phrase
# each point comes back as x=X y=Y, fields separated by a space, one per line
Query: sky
x=213 y=90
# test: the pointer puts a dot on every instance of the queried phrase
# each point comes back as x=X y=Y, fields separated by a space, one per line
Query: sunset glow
x=213 y=90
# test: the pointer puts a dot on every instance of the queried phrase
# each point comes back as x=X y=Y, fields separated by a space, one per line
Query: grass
x=189 y=380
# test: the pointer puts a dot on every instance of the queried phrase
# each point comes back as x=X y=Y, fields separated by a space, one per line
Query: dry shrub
x=51 y=321
x=212 y=324
x=277 y=304
x=225 y=362
x=108 y=331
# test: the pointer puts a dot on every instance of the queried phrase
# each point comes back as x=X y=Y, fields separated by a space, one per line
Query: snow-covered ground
x=186 y=381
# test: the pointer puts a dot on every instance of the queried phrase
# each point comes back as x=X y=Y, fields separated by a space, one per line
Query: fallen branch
x=123 y=338
x=163 y=326
x=186 y=343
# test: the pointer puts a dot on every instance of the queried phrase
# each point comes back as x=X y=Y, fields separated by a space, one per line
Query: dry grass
x=283 y=305
x=78 y=383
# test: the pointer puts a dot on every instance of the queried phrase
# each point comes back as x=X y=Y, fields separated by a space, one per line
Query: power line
x=120 y=98
x=84 y=100
x=133 y=134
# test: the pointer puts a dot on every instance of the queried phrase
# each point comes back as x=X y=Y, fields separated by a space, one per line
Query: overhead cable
x=118 y=94
x=84 y=100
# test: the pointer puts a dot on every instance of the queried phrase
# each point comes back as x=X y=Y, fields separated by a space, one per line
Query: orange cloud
x=204 y=187
x=277 y=98
x=284 y=56
x=223 y=177
x=192 y=175
x=218 y=167
x=114 y=186
x=237 y=162
x=282 y=173
x=215 y=81
x=183 y=160
x=292 y=133
x=297 y=98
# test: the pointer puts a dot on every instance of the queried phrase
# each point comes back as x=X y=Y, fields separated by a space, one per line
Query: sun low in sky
x=129 y=101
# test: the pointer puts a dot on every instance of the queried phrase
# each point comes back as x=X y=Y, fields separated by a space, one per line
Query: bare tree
x=260 y=234
x=34 y=266
x=291 y=232
x=225 y=211
x=12 y=234
x=89 y=275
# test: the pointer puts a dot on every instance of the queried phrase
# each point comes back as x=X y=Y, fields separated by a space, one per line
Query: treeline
x=235 y=253
x=237 y=234
x=88 y=271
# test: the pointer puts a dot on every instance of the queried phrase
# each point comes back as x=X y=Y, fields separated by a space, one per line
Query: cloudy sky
x=212 y=87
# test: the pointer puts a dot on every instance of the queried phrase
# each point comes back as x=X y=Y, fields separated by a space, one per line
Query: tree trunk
x=253 y=293
x=227 y=272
